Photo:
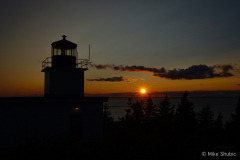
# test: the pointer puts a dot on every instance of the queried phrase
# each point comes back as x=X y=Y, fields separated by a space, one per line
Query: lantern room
x=64 y=72
x=64 y=53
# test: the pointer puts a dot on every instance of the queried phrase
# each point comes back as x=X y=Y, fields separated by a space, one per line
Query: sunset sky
x=162 y=46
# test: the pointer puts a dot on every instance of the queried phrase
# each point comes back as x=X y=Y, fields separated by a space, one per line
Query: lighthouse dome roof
x=64 y=44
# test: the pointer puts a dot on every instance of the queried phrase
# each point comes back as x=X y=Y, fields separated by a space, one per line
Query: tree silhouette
x=205 y=118
x=107 y=118
x=134 y=117
x=219 y=138
x=164 y=119
x=149 y=115
x=237 y=121
x=205 y=129
x=218 y=123
x=138 y=114
x=235 y=118
x=150 y=110
x=233 y=127
x=185 y=117
x=165 y=110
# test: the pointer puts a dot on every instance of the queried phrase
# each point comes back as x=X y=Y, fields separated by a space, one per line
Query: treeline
x=159 y=130
x=146 y=132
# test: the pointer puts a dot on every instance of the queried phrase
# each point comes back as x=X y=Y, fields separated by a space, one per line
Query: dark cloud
x=224 y=68
x=129 y=68
x=193 y=72
x=100 y=66
x=236 y=69
x=139 y=69
x=111 y=79
x=238 y=84
x=198 y=72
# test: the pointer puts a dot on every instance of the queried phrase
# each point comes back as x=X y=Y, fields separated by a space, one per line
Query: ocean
x=224 y=105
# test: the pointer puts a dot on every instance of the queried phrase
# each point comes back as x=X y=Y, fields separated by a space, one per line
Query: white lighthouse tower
x=63 y=78
x=63 y=109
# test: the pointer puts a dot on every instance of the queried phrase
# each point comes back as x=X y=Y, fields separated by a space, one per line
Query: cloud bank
x=192 y=72
x=197 y=72
x=111 y=79
x=129 y=68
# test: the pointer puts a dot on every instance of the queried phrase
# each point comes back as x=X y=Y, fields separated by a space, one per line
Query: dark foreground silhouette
x=147 y=131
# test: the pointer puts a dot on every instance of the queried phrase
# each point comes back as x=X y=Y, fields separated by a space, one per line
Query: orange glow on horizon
x=17 y=85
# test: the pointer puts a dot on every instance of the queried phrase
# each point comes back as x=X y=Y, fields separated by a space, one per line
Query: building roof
x=64 y=44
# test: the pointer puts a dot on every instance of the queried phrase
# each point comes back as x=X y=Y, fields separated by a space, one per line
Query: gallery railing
x=80 y=63
x=47 y=62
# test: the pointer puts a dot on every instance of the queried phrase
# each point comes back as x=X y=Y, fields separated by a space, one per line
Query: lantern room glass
x=67 y=52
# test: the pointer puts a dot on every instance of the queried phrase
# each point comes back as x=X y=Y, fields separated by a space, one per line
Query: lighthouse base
x=64 y=82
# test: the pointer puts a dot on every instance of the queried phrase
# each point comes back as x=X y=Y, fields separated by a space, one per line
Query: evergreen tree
x=149 y=115
x=205 y=118
x=185 y=117
x=165 y=110
x=218 y=123
x=134 y=117
x=129 y=111
x=235 y=118
x=233 y=127
x=219 y=139
x=205 y=129
x=138 y=114
x=164 y=119
x=150 y=110
x=107 y=118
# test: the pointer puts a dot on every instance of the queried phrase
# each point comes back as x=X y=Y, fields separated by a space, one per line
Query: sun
x=143 y=90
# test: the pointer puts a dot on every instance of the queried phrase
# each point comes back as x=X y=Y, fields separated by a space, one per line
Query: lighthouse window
x=69 y=52
x=55 y=52
x=74 y=52
x=58 y=51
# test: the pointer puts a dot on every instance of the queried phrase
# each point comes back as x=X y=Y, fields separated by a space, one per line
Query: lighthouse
x=62 y=109
x=64 y=73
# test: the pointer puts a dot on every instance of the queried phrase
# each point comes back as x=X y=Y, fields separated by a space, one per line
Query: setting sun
x=143 y=90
